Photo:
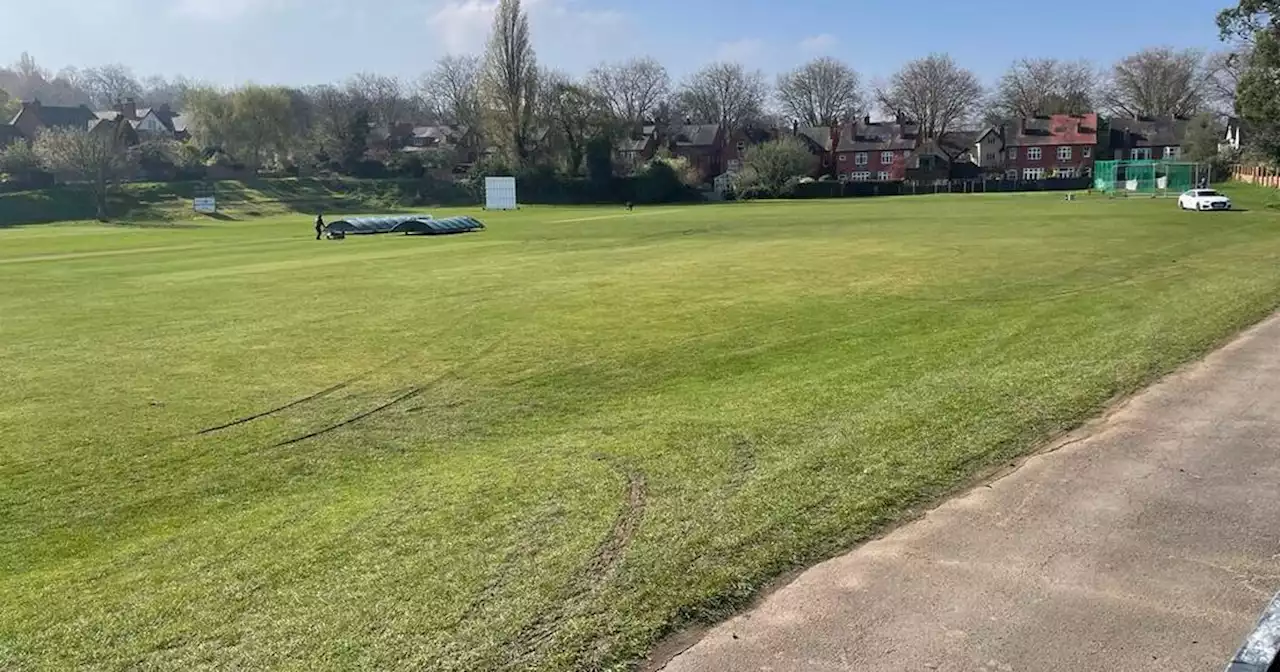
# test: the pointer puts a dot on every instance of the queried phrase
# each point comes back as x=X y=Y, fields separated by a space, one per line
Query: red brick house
x=1061 y=145
x=865 y=150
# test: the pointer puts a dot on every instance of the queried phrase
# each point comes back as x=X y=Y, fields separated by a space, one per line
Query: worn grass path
x=546 y=445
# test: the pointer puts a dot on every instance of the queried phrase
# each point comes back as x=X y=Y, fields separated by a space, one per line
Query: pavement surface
x=1149 y=540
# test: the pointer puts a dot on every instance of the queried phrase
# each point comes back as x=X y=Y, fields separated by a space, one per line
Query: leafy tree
x=99 y=158
x=1257 y=22
x=576 y=114
x=768 y=166
x=19 y=159
x=511 y=81
x=1202 y=138
x=822 y=92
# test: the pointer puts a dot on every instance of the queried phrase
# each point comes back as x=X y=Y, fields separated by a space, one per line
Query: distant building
x=33 y=116
x=1146 y=137
x=866 y=151
x=1036 y=148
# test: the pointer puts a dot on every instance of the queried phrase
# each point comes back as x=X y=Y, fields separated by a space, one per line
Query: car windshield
x=1206 y=192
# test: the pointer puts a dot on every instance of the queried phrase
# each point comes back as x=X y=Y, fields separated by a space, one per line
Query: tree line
x=536 y=116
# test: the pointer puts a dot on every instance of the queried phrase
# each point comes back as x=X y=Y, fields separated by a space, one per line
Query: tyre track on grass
x=413 y=392
x=594 y=574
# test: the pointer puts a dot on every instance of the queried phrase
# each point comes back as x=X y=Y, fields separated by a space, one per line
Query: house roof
x=866 y=136
x=179 y=123
x=1148 y=131
x=1058 y=129
x=696 y=135
x=638 y=141
x=60 y=116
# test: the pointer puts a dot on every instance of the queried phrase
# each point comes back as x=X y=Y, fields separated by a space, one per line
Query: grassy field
x=547 y=445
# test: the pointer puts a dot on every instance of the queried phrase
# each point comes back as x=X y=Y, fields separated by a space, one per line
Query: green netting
x=1149 y=177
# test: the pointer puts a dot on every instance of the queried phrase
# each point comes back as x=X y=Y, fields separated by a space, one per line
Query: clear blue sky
x=313 y=41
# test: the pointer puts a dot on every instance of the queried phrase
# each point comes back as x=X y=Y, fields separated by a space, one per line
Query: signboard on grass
x=206 y=205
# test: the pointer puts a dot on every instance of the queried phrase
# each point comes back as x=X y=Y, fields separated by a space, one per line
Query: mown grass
x=163 y=202
x=572 y=433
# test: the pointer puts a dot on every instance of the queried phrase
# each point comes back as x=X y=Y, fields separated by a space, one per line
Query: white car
x=1203 y=199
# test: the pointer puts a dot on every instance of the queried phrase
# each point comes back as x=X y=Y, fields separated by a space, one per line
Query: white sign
x=500 y=193
x=206 y=204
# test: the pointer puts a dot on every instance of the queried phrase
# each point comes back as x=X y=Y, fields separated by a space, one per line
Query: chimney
x=129 y=109
x=1022 y=127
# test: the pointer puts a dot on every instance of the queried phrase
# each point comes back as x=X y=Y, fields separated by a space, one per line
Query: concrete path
x=1148 y=541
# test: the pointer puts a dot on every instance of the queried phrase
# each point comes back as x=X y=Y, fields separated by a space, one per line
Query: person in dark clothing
x=319 y=225
x=629 y=206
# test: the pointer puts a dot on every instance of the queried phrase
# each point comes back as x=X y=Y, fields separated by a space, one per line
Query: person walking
x=319 y=225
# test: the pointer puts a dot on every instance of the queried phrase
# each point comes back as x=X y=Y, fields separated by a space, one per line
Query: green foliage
x=251 y=122
x=768 y=167
x=19 y=158
x=600 y=158
x=1258 y=97
x=1204 y=133
x=686 y=172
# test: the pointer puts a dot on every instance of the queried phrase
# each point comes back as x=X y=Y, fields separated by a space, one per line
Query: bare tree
x=823 y=92
x=510 y=88
x=934 y=92
x=1045 y=86
x=632 y=89
x=99 y=157
x=1158 y=82
x=1223 y=71
x=724 y=93
x=108 y=84
x=452 y=89
x=339 y=123
x=385 y=96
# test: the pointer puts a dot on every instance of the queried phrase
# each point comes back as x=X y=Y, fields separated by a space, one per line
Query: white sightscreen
x=500 y=193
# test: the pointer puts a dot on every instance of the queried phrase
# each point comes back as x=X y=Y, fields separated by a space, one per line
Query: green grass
x=607 y=425
x=152 y=202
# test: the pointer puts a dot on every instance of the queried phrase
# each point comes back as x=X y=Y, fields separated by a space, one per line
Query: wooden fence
x=1268 y=177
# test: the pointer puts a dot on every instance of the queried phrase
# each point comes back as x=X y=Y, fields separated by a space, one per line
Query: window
x=844 y=157
x=742 y=146
x=1140 y=153
x=1033 y=173
x=1066 y=172
x=1064 y=153
x=1033 y=154
x=1011 y=174
x=1013 y=153
x=1088 y=172
x=1171 y=152
x=860 y=159
x=886 y=157
x=1086 y=152
x=861 y=176
x=882 y=176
